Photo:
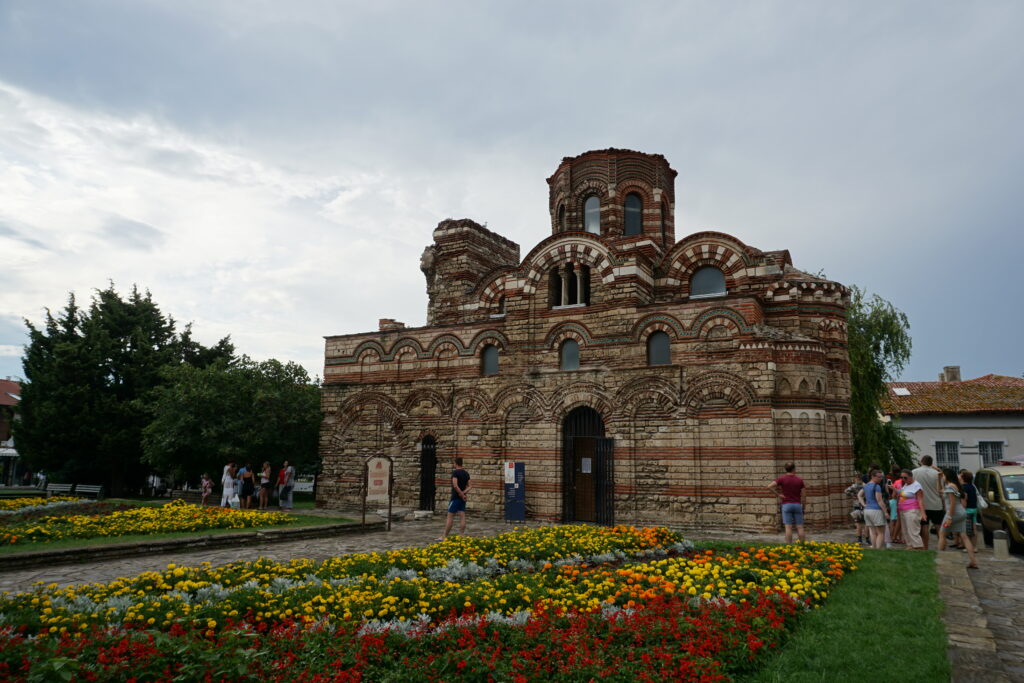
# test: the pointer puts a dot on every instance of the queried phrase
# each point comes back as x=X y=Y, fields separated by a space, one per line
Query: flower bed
x=12 y=504
x=172 y=517
x=560 y=602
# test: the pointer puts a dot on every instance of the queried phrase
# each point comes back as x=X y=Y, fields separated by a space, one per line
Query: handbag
x=982 y=502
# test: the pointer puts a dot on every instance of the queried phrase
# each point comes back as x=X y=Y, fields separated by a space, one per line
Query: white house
x=962 y=424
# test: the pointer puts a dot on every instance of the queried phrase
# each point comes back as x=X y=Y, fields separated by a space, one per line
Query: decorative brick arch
x=567 y=330
x=644 y=391
x=731 y=318
x=418 y=396
x=471 y=399
x=349 y=412
x=662 y=322
x=361 y=349
x=406 y=342
x=565 y=399
x=517 y=396
x=447 y=339
x=581 y=248
x=718 y=386
x=490 y=290
x=495 y=337
x=705 y=249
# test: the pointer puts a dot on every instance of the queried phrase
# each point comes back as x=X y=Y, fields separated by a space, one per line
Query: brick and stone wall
x=757 y=377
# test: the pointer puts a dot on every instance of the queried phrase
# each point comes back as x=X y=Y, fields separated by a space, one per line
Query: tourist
x=248 y=485
x=971 y=503
x=265 y=484
x=853 y=491
x=793 y=496
x=955 y=518
x=895 y=532
x=457 y=504
x=875 y=508
x=928 y=476
x=286 y=479
x=227 y=480
x=206 y=487
x=911 y=509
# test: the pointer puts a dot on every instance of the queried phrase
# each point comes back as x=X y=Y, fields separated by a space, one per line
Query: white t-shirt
x=908 y=493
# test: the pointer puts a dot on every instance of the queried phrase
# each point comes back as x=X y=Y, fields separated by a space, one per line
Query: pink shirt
x=908 y=496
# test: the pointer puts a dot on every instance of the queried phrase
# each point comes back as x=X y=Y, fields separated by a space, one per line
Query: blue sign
x=515 y=492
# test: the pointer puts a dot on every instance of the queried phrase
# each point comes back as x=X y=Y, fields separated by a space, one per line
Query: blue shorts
x=792 y=513
x=457 y=505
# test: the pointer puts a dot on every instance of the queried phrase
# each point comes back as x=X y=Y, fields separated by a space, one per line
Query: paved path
x=984 y=616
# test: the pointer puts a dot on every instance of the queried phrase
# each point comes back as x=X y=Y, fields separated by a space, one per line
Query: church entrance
x=587 y=468
x=428 y=473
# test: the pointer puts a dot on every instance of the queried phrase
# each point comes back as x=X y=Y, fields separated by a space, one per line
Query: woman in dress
x=955 y=521
x=206 y=486
x=265 y=486
x=248 y=486
x=911 y=509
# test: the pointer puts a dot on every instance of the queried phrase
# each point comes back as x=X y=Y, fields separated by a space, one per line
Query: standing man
x=927 y=475
x=457 y=505
x=793 y=495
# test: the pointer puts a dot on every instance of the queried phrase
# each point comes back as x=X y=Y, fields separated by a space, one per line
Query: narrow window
x=555 y=287
x=501 y=305
x=569 y=355
x=592 y=215
x=489 y=360
x=561 y=218
x=585 y=285
x=658 y=349
x=991 y=452
x=664 y=222
x=947 y=454
x=707 y=281
x=634 y=215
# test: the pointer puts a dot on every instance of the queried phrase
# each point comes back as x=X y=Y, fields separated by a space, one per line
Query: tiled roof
x=986 y=394
x=10 y=392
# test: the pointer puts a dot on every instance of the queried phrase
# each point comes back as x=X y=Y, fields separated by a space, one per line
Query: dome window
x=707 y=281
x=634 y=215
x=592 y=215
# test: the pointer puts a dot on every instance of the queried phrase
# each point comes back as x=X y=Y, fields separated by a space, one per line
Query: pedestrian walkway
x=984 y=616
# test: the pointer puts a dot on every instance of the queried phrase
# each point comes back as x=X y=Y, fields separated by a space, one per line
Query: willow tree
x=879 y=342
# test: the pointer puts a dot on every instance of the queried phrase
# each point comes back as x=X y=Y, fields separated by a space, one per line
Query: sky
x=272 y=171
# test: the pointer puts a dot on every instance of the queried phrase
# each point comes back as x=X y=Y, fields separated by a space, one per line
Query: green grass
x=881 y=622
x=66 y=544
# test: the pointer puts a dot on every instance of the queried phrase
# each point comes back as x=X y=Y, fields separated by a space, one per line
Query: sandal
x=973 y=566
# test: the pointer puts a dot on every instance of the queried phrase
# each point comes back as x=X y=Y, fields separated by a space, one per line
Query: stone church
x=640 y=378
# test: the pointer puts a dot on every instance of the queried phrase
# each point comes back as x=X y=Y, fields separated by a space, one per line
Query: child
x=857 y=513
x=206 y=486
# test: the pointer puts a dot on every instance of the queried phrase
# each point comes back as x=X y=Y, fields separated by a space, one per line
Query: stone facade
x=757 y=376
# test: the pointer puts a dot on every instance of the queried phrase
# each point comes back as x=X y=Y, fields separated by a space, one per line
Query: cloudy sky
x=272 y=170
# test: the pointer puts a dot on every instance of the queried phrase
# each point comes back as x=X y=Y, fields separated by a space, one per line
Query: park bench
x=94 y=490
x=58 y=489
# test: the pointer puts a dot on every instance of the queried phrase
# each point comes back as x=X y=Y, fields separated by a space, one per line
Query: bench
x=94 y=490
x=58 y=489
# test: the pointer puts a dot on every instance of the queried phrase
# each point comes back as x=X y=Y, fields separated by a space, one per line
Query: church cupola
x=620 y=194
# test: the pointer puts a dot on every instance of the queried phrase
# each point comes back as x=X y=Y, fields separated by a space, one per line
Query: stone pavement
x=984 y=616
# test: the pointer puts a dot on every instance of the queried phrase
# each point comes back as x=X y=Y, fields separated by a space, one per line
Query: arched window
x=707 y=281
x=489 y=360
x=664 y=221
x=569 y=285
x=658 y=349
x=569 y=355
x=592 y=215
x=634 y=214
x=561 y=217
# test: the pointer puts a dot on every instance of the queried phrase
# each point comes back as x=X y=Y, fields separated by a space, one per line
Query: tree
x=244 y=411
x=88 y=375
x=879 y=343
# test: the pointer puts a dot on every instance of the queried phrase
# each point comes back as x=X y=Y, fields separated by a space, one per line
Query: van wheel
x=1014 y=546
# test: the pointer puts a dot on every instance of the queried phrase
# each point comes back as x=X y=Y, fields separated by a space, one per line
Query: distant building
x=10 y=394
x=640 y=378
x=962 y=424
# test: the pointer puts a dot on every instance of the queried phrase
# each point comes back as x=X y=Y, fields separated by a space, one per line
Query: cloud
x=12 y=351
x=132 y=234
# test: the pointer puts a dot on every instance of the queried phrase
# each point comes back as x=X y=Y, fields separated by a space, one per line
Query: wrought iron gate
x=587 y=469
x=428 y=473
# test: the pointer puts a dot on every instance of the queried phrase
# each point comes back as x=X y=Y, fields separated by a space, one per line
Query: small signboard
x=515 y=492
x=378 y=484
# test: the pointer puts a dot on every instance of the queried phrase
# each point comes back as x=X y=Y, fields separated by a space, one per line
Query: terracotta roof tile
x=986 y=394
x=8 y=391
